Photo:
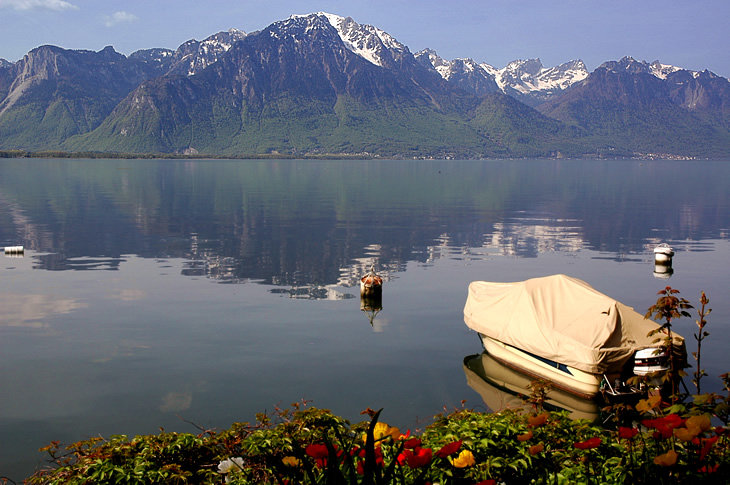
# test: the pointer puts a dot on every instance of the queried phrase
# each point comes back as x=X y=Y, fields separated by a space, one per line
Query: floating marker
x=14 y=250
x=663 y=254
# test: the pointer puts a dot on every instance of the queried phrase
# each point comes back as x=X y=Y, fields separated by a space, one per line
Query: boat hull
x=565 y=378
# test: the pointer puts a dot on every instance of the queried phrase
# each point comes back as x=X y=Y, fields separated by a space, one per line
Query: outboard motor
x=653 y=359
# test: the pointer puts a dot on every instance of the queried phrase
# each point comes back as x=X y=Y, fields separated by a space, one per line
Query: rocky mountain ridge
x=322 y=83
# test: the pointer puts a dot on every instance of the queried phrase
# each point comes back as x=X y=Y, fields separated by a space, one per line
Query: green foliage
x=311 y=445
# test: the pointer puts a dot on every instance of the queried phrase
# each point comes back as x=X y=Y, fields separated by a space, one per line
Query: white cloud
x=38 y=4
x=118 y=18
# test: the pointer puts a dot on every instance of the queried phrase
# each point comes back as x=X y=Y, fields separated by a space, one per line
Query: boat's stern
x=648 y=361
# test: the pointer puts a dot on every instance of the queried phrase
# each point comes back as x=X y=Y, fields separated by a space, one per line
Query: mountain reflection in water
x=308 y=225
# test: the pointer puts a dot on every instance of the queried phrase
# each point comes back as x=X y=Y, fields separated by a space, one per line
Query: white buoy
x=14 y=250
x=663 y=254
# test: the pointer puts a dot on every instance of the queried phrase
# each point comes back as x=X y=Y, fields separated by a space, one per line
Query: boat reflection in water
x=371 y=305
x=504 y=388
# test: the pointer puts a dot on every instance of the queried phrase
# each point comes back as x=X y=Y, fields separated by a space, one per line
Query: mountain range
x=324 y=85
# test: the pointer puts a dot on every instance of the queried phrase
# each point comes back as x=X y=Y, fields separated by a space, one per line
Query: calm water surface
x=152 y=293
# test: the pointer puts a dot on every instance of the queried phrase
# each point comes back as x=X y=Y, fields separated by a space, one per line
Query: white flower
x=230 y=464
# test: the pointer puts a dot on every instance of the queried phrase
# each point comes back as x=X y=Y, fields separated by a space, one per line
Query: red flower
x=446 y=450
x=415 y=458
x=487 y=482
x=664 y=426
x=412 y=443
x=319 y=453
x=709 y=469
x=707 y=443
x=588 y=444
x=627 y=433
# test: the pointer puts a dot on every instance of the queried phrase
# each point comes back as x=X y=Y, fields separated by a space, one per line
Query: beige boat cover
x=559 y=318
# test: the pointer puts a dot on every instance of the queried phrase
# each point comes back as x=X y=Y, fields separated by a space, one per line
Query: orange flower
x=539 y=420
x=687 y=434
x=291 y=461
x=667 y=459
x=702 y=422
x=535 y=449
x=525 y=437
x=649 y=403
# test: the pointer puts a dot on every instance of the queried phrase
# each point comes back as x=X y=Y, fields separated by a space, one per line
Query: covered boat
x=559 y=328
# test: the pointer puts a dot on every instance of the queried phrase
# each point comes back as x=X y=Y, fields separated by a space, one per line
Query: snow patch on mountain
x=199 y=55
x=530 y=76
x=525 y=77
x=663 y=70
x=370 y=43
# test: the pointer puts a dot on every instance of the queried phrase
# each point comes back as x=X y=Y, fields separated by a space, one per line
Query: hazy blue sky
x=691 y=34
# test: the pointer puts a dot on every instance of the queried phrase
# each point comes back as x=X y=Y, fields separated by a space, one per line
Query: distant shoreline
x=310 y=156
x=177 y=156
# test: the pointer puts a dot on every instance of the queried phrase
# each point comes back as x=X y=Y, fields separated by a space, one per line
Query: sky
x=689 y=34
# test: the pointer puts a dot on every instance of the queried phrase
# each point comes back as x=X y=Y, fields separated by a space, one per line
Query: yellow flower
x=667 y=459
x=649 y=403
x=382 y=431
x=702 y=422
x=465 y=459
x=291 y=461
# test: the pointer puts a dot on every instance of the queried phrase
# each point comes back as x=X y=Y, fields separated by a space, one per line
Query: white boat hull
x=569 y=379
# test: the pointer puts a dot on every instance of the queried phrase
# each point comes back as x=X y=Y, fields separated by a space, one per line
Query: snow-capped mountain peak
x=370 y=43
x=197 y=55
x=522 y=77
x=663 y=70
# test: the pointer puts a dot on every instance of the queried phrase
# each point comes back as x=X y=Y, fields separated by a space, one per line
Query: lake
x=163 y=293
